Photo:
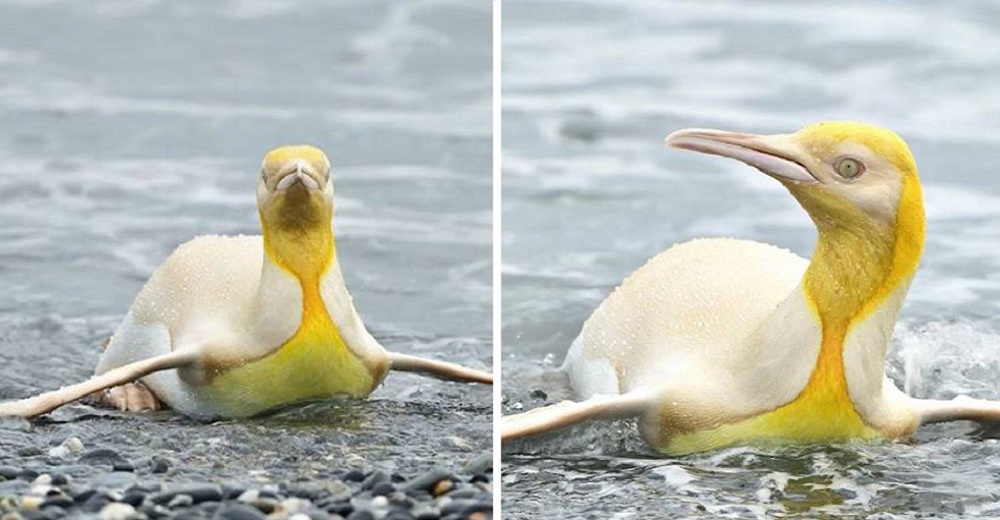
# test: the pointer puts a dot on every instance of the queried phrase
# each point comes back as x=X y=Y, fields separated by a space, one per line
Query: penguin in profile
x=719 y=342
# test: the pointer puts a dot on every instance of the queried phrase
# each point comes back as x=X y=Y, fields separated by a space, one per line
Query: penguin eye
x=849 y=168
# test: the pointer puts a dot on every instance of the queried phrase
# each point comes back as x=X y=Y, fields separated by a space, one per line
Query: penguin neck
x=861 y=267
x=306 y=254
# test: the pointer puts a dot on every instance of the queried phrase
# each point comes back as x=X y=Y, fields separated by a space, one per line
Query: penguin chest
x=314 y=363
x=822 y=412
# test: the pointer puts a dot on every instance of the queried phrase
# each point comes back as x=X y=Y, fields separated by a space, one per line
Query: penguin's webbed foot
x=130 y=397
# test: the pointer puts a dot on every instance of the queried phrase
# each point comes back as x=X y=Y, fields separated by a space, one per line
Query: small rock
x=198 y=492
x=428 y=480
x=376 y=477
x=468 y=492
x=154 y=511
x=122 y=465
x=117 y=511
x=134 y=498
x=67 y=449
x=342 y=509
x=101 y=456
x=339 y=491
x=354 y=476
x=95 y=503
x=481 y=464
x=9 y=472
x=29 y=451
x=180 y=501
x=27 y=474
x=159 y=465
x=232 y=491
x=82 y=495
x=361 y=515
x=31 y=503
x=295 y=505
x=60 y=500
x=380 y=503
x=442 y=487
x=265 y=505
x=237 y=511
x=383 y=489
x=248 y=496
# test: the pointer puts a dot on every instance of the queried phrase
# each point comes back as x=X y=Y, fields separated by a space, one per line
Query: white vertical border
x=497 y=355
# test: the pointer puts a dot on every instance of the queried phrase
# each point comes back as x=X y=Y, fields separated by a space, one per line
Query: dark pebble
x=539 y=394
x=59 y=479
x=95 y=503
x=479 y=477
x=30 y=451
x=383 y=489
x=354 y=476
x=375 y=478
x=426 y=481
x=419 y=495
x=84 y=495
x=134 y=498
x=198 y=492
x=101 y=456
x=232 y=491
x=237 y=511
x=399 y=515
x=463 y=493
x=465 y=508
x=308 y=490
x=58 y=500
x=159 y=465
x=122 y=465
x=361 y=514
x=428 y=515
x=27 y=474
x=9 y=472
x=397 y=478
x=154 y=511
x=340 y=508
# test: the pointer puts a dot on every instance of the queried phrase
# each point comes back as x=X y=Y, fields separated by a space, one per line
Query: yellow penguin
x=237 y=326
x=719 y=342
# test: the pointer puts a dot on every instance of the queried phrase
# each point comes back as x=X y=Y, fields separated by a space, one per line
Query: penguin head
x=295 y=190
x=843 y=173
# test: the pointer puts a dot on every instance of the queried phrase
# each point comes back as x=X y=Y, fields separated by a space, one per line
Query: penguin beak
x=299 y=172
x=772 y=154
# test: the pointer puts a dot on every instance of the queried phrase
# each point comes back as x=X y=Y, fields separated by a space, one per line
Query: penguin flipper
x=438 y=369
x=48 y=401
x=961 y=408
x=568 y=413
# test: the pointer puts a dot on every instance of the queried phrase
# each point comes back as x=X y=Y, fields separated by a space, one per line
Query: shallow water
x=128 y=128
x=590 y=90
